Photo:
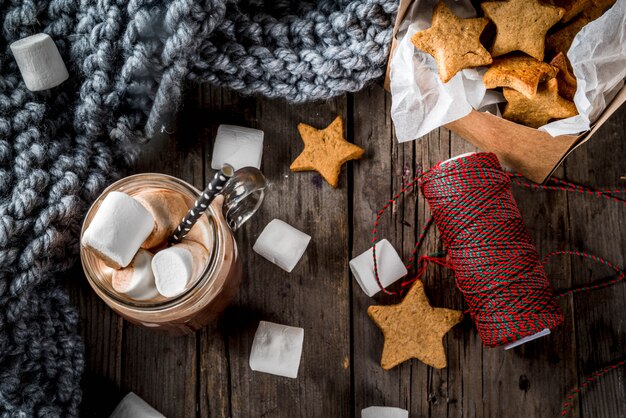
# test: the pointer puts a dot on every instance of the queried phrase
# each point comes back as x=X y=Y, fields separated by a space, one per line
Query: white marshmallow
x=132 y=406
x=174 y=267
x=282 y=244
x=384 y=412
x=390 y=268
x=137 y=280
x=118 y=228
x=202 y=232
x=277 y=349
x=167 y=208
x=39 y=61
x=237 y=146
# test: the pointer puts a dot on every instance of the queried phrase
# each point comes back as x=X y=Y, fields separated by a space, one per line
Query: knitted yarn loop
x=128 y=64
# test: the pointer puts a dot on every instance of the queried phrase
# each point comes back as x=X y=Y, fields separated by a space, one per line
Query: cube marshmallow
x=118 y=229
x=237 y=146
x=384 y=412
x=390 y=268
x=277 y=349
x=132 y=406
x=282 y=244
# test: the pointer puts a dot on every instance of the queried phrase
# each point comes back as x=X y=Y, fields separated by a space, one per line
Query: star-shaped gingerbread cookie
x=567 y=81
x=561 y=40
x=541 y=109
x=522 y=73
x=414 y=329
x=521 y=25
x=325 y=151
x=453 y=42
x=572 y=7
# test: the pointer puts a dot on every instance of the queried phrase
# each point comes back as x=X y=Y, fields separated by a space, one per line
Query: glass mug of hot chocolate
x=130 y=265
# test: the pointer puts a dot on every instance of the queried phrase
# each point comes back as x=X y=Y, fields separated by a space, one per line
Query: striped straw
x=206 y=197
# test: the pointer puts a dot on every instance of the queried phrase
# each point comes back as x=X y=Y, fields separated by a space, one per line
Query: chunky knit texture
x=128 y=62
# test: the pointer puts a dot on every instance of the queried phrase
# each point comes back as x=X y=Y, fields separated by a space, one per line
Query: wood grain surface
x=207 y=374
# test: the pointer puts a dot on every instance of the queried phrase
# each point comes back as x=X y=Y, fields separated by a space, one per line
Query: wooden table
x=207 y=374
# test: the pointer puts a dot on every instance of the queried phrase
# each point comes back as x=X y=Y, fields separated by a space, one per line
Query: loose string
x=554 y=184
x=567 y=186
x=416 y=247
x=587 y=381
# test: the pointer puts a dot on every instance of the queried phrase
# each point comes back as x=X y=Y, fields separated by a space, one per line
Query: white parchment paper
x=598 y=57
x=421 y=102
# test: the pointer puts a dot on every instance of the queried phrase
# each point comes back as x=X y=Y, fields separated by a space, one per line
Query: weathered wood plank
x=214 y=385
x=432 y=384
x=598 y=226
x=440 y=392
x=101 y=331
x=161 y=368
x=313 y=296
x=217 y=106
x=382 y=170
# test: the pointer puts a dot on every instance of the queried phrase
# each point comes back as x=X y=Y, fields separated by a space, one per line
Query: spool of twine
x=496 y=266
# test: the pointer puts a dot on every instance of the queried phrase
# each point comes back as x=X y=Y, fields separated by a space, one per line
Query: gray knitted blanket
x=128 y=62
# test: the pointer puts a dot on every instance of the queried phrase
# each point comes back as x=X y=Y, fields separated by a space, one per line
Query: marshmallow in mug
x=174 y=267
x=118 y=229
x=167 y=208
x=136 y=280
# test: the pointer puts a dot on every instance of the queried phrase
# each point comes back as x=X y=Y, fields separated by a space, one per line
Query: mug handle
x=243 y=195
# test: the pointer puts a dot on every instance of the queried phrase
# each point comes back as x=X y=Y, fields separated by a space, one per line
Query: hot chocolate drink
x=129 y=264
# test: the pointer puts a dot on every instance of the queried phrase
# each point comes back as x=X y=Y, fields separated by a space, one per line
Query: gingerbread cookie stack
x=526 y=32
